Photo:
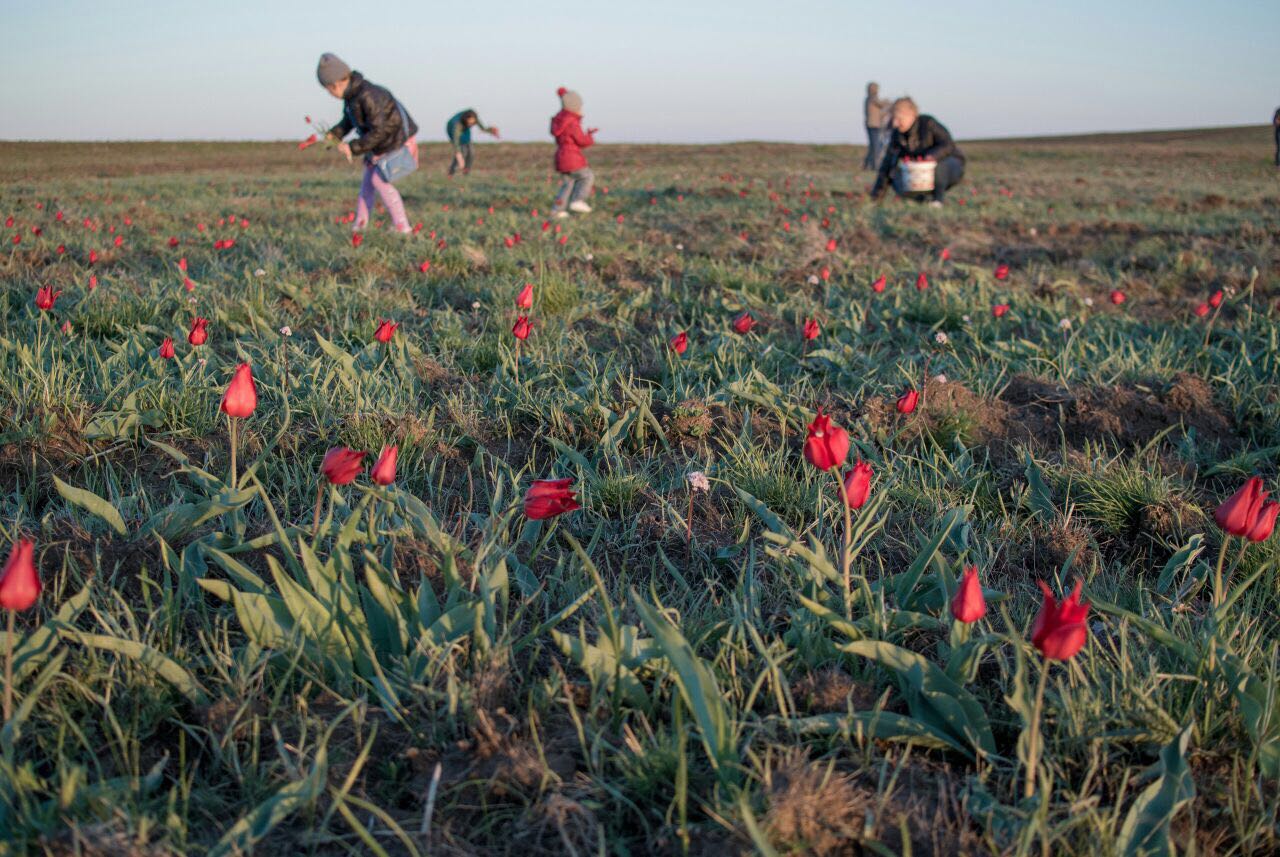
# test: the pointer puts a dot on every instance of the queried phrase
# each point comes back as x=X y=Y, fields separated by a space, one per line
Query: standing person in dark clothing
x=919 y=136
x=873 y=109
x=458 y=129
x=1275 y=123
x=384 y=127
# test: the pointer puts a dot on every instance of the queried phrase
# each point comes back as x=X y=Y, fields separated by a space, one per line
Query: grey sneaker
x=580 y=207
x=560 y=215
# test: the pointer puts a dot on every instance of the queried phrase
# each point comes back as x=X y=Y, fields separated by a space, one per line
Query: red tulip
x=1265 y=523
x=188 y=284
x=1002 y=272
x=1059 y=630
x=547 y=498
x=199 y=334
x=19 y=582
x=62 y=249
x=907 y=401
x=1117 y=297
x=118 y=241
x=425 y=266
x=166 y=348
x=1215 y=299
x=93 y=282
x=857 y=485
x=922 y=281
x=680 y=343
x=173 y=241
x=46 y=297
x=945 y=254
x=384 y=472
x=522 y=328
x=999 y=310
x=812 y=330
x=310 y=141
x=341 y=465
x=825 y=274
x=744 y=323
x=524 y=300
x=182 y=264
x=241 y=396
x=356 y=239
x=879 y=284
x=831 y=245
x=827 y=445
x=1202 y=310
x=968 y=605
x=386 y=330
x=66 y=328
x=1239 y=513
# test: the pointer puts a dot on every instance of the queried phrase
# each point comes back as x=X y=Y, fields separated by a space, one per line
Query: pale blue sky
x=649 y=70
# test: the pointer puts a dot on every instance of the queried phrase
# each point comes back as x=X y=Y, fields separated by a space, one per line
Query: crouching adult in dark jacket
x=919 y=136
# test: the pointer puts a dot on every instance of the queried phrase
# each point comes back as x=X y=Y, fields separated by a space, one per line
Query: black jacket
x=927 y=137
x=373 y=112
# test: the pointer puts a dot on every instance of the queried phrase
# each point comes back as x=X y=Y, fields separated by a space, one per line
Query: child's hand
x=493 y=132
x=346 y=150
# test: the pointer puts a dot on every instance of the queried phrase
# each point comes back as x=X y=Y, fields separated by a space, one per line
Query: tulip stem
x=517 y=363
x=688 y=525
x=315 y=525
x=1217 y=574
x=232 y=426
x=844 y=549
x=8 y=666
x=1033 y=739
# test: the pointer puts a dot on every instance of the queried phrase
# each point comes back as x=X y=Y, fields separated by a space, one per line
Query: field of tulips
x=738 y=516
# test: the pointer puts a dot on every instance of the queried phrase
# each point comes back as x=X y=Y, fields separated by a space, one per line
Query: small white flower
x=1065 y=324
x=940 y=378
x=1088 y=301
x=590 y=257
x=475 y=304
x=940 y=338
x=813 y=279
x=698 y=481
x=192 y=299
x=965 y=319
x=286 y=331
x=259 y=273
x=202 y=361
x=1033 y=232
x=679 y=246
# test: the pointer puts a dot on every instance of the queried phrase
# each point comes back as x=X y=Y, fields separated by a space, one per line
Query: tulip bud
x=19 y=582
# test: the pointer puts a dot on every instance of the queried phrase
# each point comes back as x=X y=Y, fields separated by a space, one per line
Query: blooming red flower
x=384 y=471
x=62 y=248
x=825 y=274
x=945 y=254
x=1265 y=523
x=182 y=264
x=524 y=300
x=831 y=245
x=1060 y=630
x=547 y=498
x=199 y=333
x=425 y=266
x=1202 y=310
x=93 y=256
x=19 y=582
x=879 y=284
x=999 y=310
x=907 y=401
x=522 y=328
x=188 y=284
x=310 y=141
x=857 y=485
x=66 y=328
x=341 y=465
x=173 y=241
x=1238 y=514
x=922 y=281
x=812 y=330
x=166 y=348
x=680 y=343
x=744 y=323
x=118 y=241
x=46 y=297
x=968 y=605
x=827 y=445
x=386 y=330
x=1215 y=299
x=1002 y=271
x=356 y=239
x=1117 y=297
x=241 y=396
x=93 y=282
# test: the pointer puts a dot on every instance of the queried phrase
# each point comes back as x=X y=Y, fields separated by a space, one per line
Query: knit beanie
x=570 y=100
x=331 y=69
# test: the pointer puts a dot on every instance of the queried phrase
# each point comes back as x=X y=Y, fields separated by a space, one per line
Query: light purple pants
x=373 y=181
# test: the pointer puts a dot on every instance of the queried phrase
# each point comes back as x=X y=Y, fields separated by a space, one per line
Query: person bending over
x=917 y=135
x=458 y=130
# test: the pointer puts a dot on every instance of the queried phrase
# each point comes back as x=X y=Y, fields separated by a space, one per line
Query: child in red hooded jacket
x=577 y=178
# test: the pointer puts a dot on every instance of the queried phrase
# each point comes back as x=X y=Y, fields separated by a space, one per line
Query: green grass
x=430 y=672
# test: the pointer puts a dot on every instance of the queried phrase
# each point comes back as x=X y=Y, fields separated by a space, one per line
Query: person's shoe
x=560 y=215
x=580 y=207
x=935 y=203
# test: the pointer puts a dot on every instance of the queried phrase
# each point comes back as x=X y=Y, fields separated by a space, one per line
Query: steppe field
x=233 y=655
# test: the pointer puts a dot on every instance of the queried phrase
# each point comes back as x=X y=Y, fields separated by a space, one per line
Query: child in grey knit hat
x=577 y=177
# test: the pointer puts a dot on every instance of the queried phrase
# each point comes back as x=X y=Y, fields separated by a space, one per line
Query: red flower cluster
x=1247 y=513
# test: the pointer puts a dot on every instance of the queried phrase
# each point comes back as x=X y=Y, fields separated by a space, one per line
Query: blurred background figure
x=458 y=130
x=1275 y=123
x=918 y=137
x=876 y=112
